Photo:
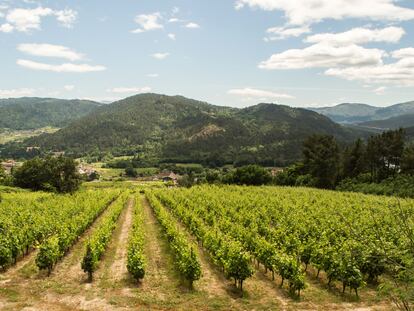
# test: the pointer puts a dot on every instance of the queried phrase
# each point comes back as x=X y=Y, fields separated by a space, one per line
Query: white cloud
x=153 y=75
x=172 y=36
x=403 y=53
x=69 y=87
x=174 y=20
x=399 y=73
x=160 y=56
x=6 y=28
x=323 y=55
x=50 y=50
x=192 y=25
x=281 y=33
x=25 y=20
x=359 y=36
x=256 y=94
x=305 y=12
x=16 y=93
x=144 y=89
x=68 y=67
x=148 y=22
x=66 y=17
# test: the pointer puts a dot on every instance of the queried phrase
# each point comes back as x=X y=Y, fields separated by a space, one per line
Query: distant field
x=7 y=135
x=269 y=227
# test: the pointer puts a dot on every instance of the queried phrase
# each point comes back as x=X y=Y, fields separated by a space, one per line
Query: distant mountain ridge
x=29 y=113
x=178 y=129
x=358 y=113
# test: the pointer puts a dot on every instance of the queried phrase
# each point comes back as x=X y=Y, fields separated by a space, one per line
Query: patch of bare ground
x=21 y=263
x=118 y=269
x=157 y=274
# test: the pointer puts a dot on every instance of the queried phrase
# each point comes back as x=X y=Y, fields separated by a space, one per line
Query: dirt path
x=69 y=268
x=157 y=273
x=118 y=268
x=22 y=263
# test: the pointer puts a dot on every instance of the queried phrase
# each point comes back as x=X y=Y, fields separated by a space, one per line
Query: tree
x=249 y=175
x=384 y=153
x=48 y=174
x=321 y=158
x=407 y=160
x=131 y=172
x=2 y=174
x=354 y=160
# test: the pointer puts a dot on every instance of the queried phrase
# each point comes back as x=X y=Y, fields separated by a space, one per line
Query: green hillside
x=33 y=113
x=177 y=129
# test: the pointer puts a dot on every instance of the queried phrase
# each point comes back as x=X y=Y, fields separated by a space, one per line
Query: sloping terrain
x=174 y=128
x=30 y=113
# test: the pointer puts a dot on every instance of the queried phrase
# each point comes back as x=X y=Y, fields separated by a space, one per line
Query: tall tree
x=321 y=159
x=354 y=162
x=407 y=160
x=384 y=153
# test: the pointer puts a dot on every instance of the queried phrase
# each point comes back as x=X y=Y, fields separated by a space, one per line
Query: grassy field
x=7 y=135
x=23 y=287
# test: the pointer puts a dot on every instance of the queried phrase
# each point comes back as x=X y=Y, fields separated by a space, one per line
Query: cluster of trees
x=55 y=174
x=325 y=164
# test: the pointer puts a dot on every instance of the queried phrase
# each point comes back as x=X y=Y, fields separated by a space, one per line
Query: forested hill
x=178 y=129
x=32 y=113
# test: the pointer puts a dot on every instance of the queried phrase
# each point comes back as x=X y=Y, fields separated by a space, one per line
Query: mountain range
x=162 y=128
x=177 y=129
x=349 y=113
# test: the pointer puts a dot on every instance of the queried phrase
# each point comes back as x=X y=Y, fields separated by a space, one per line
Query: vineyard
x=202 y=248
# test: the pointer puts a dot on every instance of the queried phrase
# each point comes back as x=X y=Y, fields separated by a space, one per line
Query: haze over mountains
x=178 y=129
x=360 y=113
x=30 y=113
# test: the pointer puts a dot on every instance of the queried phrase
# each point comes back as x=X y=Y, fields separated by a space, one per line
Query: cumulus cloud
x=16 y=93
x=281 y=33
x=403 y=53
x=359 y=36
x=299 y=12
x=324 y=55
x=67 y=67
x=25 y=20
x=160 y=56
x=399 y=73
x=192 y=25
x=144 y=89
x=50 y=50
x=257 y=94
x=148 y=22
x=172 y=36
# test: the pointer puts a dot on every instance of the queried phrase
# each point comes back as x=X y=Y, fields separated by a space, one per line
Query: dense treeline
x=376 y=166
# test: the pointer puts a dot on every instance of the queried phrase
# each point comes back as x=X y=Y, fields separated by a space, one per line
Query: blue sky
x=226 y=52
